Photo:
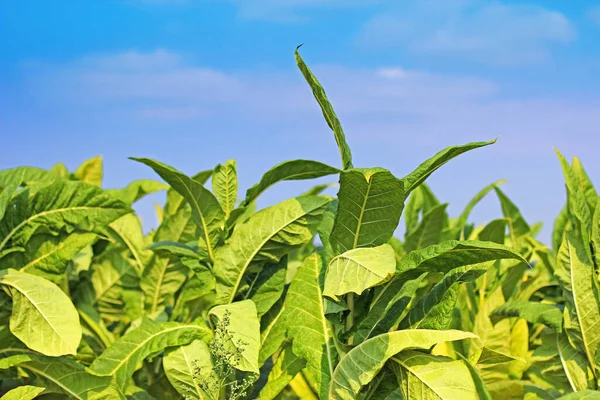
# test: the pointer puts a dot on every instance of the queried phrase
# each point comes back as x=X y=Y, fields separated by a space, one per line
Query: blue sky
x=194 y=82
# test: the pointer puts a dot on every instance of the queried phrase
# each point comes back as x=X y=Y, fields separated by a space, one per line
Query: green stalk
x=350 y=317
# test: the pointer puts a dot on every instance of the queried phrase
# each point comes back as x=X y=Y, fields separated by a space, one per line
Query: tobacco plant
x=311 y=298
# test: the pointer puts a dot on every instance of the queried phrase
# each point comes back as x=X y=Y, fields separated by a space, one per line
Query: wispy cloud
x=483 y=31
x=376 y=103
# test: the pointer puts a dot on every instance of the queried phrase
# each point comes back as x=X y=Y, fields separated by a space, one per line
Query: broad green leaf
x=575 y=272
x=517 y=223
x=62 y=204
x=452 y=254
x=284 y=370
x=425 y=376
x=535 y=313
x=579 y=210
x=225 y=186
x=575 y=364
x=196 y=297
x=175 y=201
x=165 y=274
x=244 y=332
x=494 y=231
x=206 y=210
x=464 y=216
x=181 y=364
x=60 y=375
x=112 y=276
x=388 y=307
x=61 y=170
x=583 y=395
x=90 y=171
x=363 y=362
x=425 y=169
x=26 y=176
x=174 y=248
x=327 y=109
x=428 y=231
x=595 y=238
x=492 y=357
x=307 y=325
x=26 y=392
x=137 y=189
x=14 y=179
x=43 y=317
x=267 y=286
x=121 y=359
x=289 y=171
x=266 y=237
x=127 y=231
x=272 y=331
x=370 y=204
x=93 y=326
x=420 y=202
x=585 y=184
x=47 y=255
x=356 y=270
x=560 y=227
x=434 y=310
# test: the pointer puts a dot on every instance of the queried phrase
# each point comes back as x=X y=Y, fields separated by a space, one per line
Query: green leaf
x=48 y=256
x=425 y=376
x=434 y=310
x=206 y=210
x=62 y=204
x=583 y=395
x=304 y=317
x=60 y=375
x=511 y=212
x=163 y=277
x=289 y=171
x=174 y=248
x=225 y=186
x=494 y=231
x=26 y=392
x=363 y=362
x=575 y=364
x=182 y=363
x=560 y=227
x=535 y=313
x=388 y=307
x=579 y=210
x=127 y=231
x=428 y=231
x=267 y=286
x=327 y=109
x=492 y=357
x=359 y=269
x=266 y=237
x=12 y=185
x=575 y=272
x=137 y=189
x=90 y=171
x=26 y=176
x=43 y=317
x=370 y=204
x=243 y=328
x=121 y=359
x=585 y=184
x=464 y=216
x=425 y=169
x=452 y=254
x=284 y=370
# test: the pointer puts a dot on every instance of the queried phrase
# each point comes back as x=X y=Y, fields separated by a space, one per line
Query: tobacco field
x=311 y=298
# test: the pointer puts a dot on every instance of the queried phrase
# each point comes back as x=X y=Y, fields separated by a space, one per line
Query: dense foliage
x=311 y=298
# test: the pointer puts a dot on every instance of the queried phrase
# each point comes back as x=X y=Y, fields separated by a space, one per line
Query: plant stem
x=350 y=317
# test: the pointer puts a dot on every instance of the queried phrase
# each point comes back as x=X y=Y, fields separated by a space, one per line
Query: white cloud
x=486 y=31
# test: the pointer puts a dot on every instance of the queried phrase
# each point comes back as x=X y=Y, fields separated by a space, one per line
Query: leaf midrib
x=131 y=353
x=48 y=212
x=38 y=309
